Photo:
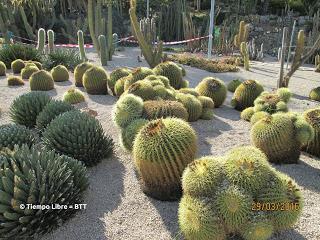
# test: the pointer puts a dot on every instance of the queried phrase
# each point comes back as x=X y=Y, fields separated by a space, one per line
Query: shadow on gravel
x=289 y=234
x=65 y=83
x=227 y=112
x=300 y=97
x=103 y=99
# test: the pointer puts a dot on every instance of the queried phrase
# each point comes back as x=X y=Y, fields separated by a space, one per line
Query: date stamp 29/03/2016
x=275 y=206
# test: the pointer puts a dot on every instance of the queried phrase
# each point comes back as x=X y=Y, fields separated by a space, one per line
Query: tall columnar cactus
x=81 y=46
x=280 y=136
x=50 y=41
x=103 y=50
x=242 y=35
x=92 y=23
x=245 y=56
x=159 y=167
x=312 y=116
x=299 y=48
x=41 y=40
x=95 y=81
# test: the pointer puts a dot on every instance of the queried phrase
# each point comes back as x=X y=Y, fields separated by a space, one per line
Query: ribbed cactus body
x=3 y=69
x=115 y=76
x=191 y=91
x=259 y=228
x=257 y=116
x=50 y=41
x=95 y=81
x=213 y=88
x=206 y=102
x=247 y=113
x=73 y=96
x=313 y=118
x=315 y=94
x=161 y=151
x=41 y=81
x=270 y=103
x=60 y=73
x=15 y=81
x=137 y=75
x=41 y=40
x=172 y=71
x=245 y=55
x=142 y=89
x=17 y=65
x=28 y=71
x=103 y=50
x=192 y=104
x=245 y=94
x=207 y=114
x=81 y=46
x=119 y=86
x=79 y=72
x=299 y=48
x=185 y=83
x=232 y=86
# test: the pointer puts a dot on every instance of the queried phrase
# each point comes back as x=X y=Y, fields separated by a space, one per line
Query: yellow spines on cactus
x=3 y=69
x=41 y=81
x=95 y=81
x=192 y=104
x=172 y=71
x=143 y=89
x=17 y=65
x=245 y=56
x=299 y=48
x=162 y=149
x=28 y=71
x=312 y=116
x=73 y=96
x=60 y=73
x=79 y=72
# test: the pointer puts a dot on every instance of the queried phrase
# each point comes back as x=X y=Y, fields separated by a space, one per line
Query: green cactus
x=137 y=74
x=50 y=41
x=79 y=72
x=115 y=76
x=143 y=89
x=53 y=109
x=30 y=64
x=3 y=69
x=280 y=137
x=245 y=94
x=284 y=93
x=73 y=96
x=128 y=108
x=159 y=167
x=184 y=83
x=315 y=94
x=60 y=73
x=192 y=104
x=163 y=109
x=232 y=86
x=317 y=60
x=103 y=50
x=15 y=81
x=129 y=133
x=270 y=103
x=245 y=55
x=247 y=114
x=11 y=135
x=172 y=71
x=312 y=116
x=207 y=114
x=119 y=86
x=154 y=78
x=95 y=81
x=41 y=81
x=206 y=102
x=191 y=91
x=299 y=48
x=258 y=116
x=242 y=35
x=38 y=64
x=25 y=108
x=41 y=40
x=259 y=228
x=37 y=177
x=81 y=46
x=78 y=135
x=17 y=65
x=213 y=88
x=28 y=71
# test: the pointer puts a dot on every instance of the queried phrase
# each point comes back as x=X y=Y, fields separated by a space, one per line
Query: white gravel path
x=118 y=210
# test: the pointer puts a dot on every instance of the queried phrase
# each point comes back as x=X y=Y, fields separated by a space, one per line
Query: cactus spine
x=103 y=50
x=50 y=41
x=41 y=40
x=245 y=55
x=81 y=46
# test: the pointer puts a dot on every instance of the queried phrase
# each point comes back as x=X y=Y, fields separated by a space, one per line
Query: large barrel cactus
x=238 y=194
x=95 y=81
x=192 y=104
x=315 y=94
x=17 y=65
x=27 y=71
x=280 y=136
x=142 y=89
x=3 y=69
x=191 y=91
x=78 y=135
x=172 y=71
x=232 y=86
x=115 y=76
x=25 y=108
x=312 y=116
x=79 y=71
x=213 y=88
x=245 y=94
x=162 y=149
x=41 y=81
x=11 y=135
x=136 y=75
x=73 y=96
x=119 y=86
x=30 y=179
x=60 y=73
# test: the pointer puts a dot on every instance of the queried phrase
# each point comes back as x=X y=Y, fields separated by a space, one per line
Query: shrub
x=95 y=81
x=78 y=135
x=192 y=104
x=312 y=116
x=315 y=94
x=213 y=88
x=17 y=65
x=41 y=81
x=73 y=96
x=159 y=167
x=172 y=71
x=15 y=81
x=3 y=69
x=67 y=57
x=38 y=177
x=25 y=108
x=79 y=71
x=232 y=86
x=60 y=73
x=115 y=76
x=26 y=72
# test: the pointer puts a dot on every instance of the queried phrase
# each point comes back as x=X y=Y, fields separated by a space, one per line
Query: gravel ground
x=117 y=209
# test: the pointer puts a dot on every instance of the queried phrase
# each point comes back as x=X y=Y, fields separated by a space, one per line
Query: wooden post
x=282 y=59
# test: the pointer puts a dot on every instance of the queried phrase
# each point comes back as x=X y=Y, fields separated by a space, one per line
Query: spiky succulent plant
x=119 y=86
x=157 y=80
x=172 y=71
x=163 y=109
x=79 y=71
x=3 y=69
x=247 y=113
x=41 y=81
x=15 y=81
x=312 y=116
x=78 y=135
x=257 y=116
x=284 y=93
x=192 y=104
x=27 y=71
x=191 y=91
x=185 y=83
x=206 y=102
x=25 y=108
x=270 y=103
x=116 y=75
x=207 y=114
x=280 y=136
x=95 y=81
x=245 y=94
x=12 y=134
x=73 y=96
x=31 y=178
x=232 y=86
x=53 y=109
x=161 y=150
x=60 y=73
x=38 y=64
x=137 y=75
x=315 y=94
x=213 y=88
x=143 y=89
x=17 y=65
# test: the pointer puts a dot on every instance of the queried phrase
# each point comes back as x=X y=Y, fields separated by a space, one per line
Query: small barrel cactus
x=161 y=150
x=137 y=75
x=115 y=76
x=17 y=65
x=284 y=93
x=247 y=113
x=163 y=109
x=312 y=116
x=30 y=64
x=11 y=135
x=257 y=116
x=191 y=91
x=15 y=81
x=119 y=86
x=192 y=104
x=270 y=103
x=78 y=135
x=213 y=88
x=60 y=73
x=185 y=83
x=315 y=94
x=38 y=64
x=232 y=86
x=73 y=96
x=172 y=71
x=206 y=102
x=28 y=71
x=41 y=81
x=207 y=114
x=38 y=178
x=245 y=94
x=142 y=89
x=95 y=81
x=25 y=108
x=280 y=136
x=79 y=71
x=3 y=69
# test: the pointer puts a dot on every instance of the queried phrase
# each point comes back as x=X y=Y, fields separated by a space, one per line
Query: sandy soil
x=117 y=209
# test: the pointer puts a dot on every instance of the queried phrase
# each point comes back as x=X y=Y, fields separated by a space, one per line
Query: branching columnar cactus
x=163 y=109
x=60 y=73
x=280 y=136
x=242 y=35
x=162 y=149
x=73 y=96
x=232 y=86
x=27 y=71
x=192 y=104
x=245 y=56
x=78 y=135
x=17 y=65
x=172 y=71
x=142 y=89
x=315 y=94
x=11 y=135
x=213 y=88
x=50 y=41
x=312 y=116
x=81 y=46
x=245 y=94
x=53 y=109
x=15 y=81
x=115 y=76
x=95 y=81
x=228 y=195
x=79 y=72
x=25 y=108
x=38 y=178
x=3 y=69
x=41 y=40
x=137 y=75
x=41 y=81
